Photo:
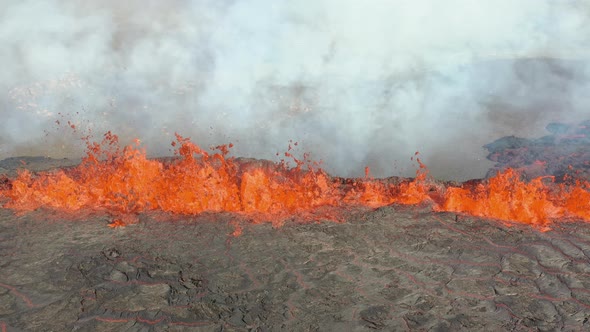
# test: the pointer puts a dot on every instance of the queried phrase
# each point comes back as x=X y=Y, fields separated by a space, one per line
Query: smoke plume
x=356 y=83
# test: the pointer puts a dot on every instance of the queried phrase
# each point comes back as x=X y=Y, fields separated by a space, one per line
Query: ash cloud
x=355 y=83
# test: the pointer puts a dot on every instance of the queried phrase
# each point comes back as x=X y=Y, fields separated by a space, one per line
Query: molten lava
x=507 y=197
x=124 y=182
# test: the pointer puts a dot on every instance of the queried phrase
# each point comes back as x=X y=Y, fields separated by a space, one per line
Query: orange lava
x=507 y=197
x=124 y=182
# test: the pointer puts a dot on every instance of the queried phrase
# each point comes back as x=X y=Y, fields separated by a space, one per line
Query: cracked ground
x=397 y=268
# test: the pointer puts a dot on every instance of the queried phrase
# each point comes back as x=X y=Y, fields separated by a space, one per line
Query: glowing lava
x=124 y=182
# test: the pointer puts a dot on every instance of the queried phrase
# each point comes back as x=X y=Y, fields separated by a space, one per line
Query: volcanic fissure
x=124 y=182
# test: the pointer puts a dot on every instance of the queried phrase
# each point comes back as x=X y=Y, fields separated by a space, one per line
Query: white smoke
x=356 y=83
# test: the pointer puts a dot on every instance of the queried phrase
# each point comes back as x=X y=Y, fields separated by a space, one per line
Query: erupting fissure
x=124 y=182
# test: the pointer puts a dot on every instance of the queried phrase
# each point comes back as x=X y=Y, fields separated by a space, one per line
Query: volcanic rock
x=392 y=268
x=563 y=154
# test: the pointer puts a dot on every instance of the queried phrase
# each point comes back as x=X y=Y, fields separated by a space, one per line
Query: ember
x=124 y=182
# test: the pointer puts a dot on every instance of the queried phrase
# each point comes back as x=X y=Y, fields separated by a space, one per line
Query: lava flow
x=124 y=182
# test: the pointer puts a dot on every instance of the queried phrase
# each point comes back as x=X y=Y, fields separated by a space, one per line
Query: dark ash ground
x=393 y=269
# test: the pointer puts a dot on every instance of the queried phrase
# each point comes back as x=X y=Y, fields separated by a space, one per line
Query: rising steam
x=354 y=82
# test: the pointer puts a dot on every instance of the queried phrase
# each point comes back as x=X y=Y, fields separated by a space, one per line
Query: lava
x=123 y=182
x=507 y=197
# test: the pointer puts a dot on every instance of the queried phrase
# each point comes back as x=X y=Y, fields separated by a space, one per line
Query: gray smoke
x=356 y=83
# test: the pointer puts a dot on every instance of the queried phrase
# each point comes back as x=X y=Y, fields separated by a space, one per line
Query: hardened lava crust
x=400 y=268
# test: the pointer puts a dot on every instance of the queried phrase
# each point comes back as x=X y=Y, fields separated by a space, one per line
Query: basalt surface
x=402 y=268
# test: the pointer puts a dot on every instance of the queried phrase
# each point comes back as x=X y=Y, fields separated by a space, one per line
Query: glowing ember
x=125 y=183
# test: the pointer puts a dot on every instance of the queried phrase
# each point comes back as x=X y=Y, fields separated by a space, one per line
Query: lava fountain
x=123 y=182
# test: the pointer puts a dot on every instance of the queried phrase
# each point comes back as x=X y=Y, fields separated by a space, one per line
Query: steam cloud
x=356 y=83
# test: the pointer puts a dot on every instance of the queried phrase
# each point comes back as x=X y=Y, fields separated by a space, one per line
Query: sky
x=355 y=83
